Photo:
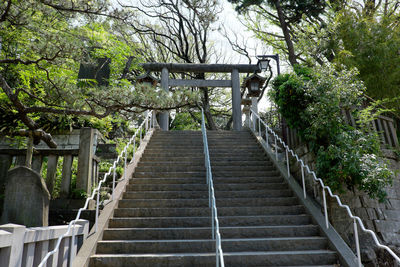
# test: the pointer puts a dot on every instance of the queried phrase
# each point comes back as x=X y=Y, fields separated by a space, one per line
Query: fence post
x=85 y=157
x=17 y=245
x=357 y=242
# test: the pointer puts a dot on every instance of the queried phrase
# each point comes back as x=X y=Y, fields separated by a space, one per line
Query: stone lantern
x=254 y=83
x=147 y=79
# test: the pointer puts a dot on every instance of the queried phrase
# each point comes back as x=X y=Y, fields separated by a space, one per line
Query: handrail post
x=325 y=208
x=144 y=124
x=71 y=255
x=97 y=210
x=259 y=126
x=287 y=162
x=318 y=180
x=357 y=242
x=126 y=156
x=134 y=149
x=113 y=185
x=303 y=181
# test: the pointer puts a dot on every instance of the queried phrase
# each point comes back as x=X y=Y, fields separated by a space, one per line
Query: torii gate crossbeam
x=234 y=82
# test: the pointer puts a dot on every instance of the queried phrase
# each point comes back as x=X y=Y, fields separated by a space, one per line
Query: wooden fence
x=384 y=125
x=21 y=246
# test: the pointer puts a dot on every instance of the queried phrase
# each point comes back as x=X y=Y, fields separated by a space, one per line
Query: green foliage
x=293 y=9
x=371 y=45
x=311 y=101
x=184 y=121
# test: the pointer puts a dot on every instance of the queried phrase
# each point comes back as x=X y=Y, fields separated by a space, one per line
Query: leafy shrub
x=311 y=101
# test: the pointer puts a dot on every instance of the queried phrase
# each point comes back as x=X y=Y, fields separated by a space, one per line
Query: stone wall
x=382 y=218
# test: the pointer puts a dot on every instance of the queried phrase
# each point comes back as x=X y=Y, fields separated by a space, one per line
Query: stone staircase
x=163 y=218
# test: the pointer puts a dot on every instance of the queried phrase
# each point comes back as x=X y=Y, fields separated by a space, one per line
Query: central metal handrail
x=211 y=198
x=303 y=166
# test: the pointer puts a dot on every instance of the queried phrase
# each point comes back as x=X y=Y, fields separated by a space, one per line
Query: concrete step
x=203 y=187
x=204 y=194
x=161 y=174
x=205 y=211
x=199 y=144
x=205 y=232
x=200 y=158
x=216 y=173
x=192 y=168
x=202 y=245
x=245 y=173
x=163 y=203
x=180 y=181
x=203 y=202
x=205 y=221
x=272 y=258
x=222 y=163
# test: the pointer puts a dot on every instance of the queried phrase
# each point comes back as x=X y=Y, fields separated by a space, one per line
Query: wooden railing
x=383 y=125
x=79 y=145
x=21 y=246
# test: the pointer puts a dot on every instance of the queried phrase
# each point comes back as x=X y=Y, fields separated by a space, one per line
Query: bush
x=311 y=101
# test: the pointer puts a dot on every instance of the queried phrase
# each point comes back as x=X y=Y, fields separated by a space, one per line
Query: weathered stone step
x=216 y=174
x=205 y=232
x=220 y=154
x=203 y=202
x=233 y=180
x=204 y=194
x=205 y=211
x=202 y=187
x=199 y=168
x=179 y=181
x=222 y=163
x=204 y=221
x=166 y=203
x=201 y=245
x=161 y=174
x=240 y=144
x=199 y=143
x=174 y=158
x=256 y=202
x=245 y=173
x=273 y=258
x=167 y=187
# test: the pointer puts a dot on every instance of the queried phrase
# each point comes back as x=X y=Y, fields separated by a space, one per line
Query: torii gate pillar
x=236 y=101
x=164 y=116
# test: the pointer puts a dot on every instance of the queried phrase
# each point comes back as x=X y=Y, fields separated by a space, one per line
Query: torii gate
x=234 y=82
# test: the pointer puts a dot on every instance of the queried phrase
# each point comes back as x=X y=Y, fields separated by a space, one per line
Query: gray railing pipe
x=96 y=192
x=328 y=189
x=219 y=261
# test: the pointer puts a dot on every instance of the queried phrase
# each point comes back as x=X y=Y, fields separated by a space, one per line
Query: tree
x=179 y=31
x=283 y=14
x=42 y=44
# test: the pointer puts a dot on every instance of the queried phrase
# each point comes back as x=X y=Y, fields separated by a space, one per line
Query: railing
x=303 y=166
x=384 y=126
x=211 y=199
x=21 y=246
x=147 y=124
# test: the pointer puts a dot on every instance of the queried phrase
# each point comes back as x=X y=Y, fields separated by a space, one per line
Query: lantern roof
x=147 y=77
x=254 y=77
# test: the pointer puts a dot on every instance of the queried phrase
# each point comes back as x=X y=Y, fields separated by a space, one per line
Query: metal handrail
x=211 y=199
x=324 y=187
x=147 y=124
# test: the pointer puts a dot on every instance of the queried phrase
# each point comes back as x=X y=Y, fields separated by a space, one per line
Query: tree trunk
x=206 y=105
x=286 y=33
x=207 y=112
